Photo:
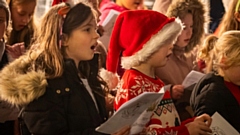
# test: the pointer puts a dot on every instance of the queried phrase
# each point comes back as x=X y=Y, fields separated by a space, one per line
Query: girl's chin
x=18 y=28
x=163 y=63
x=182 y=46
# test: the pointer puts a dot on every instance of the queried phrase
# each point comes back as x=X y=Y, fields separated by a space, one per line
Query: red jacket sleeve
x=179 y=130
x=188 y=121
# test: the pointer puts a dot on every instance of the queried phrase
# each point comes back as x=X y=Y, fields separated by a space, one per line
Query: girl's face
x=130 y=4
x=22 y=15
x=160 y=58
x=82 y=41
x=3 y=22
x=186 y=34
x=232 y=74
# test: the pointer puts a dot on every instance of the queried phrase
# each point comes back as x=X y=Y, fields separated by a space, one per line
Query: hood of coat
x=19 y=85
x=200 y=18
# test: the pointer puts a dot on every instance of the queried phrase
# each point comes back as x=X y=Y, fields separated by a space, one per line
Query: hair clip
x=64 y=10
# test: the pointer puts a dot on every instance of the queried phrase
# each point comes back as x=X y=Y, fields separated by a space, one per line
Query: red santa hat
x=137 y=35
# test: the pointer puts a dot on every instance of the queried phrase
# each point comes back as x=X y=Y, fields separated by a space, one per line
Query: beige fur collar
x=18 y=85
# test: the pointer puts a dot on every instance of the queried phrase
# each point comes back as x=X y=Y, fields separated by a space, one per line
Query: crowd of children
x=57 y=77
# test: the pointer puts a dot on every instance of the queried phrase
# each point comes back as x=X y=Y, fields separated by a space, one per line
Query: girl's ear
x=222 y=63
x=64 y=40
x=222 y=60
x=237 y=16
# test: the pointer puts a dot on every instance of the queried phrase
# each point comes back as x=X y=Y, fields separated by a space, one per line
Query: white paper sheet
x=135 y=113
x=108 y=24
x=165 y=88
x=192 y=78
x=220 y=126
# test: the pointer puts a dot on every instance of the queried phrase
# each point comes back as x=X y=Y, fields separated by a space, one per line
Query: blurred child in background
x=231 y=18
x=22 y=22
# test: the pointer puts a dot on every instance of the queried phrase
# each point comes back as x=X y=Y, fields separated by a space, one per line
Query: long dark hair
x=52 y=54
x=90 y=70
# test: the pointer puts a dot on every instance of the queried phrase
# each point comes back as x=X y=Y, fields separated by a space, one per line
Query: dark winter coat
x=57 y=106
x=211 y=95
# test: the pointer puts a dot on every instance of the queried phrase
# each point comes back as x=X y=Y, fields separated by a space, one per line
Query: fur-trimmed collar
x=200 y=18
x=19 y=85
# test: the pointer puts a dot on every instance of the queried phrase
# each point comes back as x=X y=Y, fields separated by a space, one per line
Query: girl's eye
x=87 y=29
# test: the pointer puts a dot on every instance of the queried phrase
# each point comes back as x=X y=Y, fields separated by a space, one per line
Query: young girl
x=231 y=19
x=101 y=49
x=145 y=46
x=182 y=61
x=22 y=22
x=220 y=91
x=57 y=92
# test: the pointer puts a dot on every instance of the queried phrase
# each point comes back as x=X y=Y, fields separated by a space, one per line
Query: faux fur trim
x=200 y=19
x=19 y=86
x=166 y=35
x=110 y=78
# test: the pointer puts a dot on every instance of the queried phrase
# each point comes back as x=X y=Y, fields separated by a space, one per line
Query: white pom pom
x=112 y=79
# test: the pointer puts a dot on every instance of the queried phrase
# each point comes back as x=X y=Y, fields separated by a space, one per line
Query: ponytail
x=206 y=52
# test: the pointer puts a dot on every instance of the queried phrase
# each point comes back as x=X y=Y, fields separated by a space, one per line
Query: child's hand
x=16 y=50
x=123 y=131
x=200 y=126
x=204 y=118
x=177 y=91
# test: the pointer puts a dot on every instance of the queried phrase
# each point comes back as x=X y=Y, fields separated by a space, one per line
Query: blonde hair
x=226 y=51
x=26 y=33
x=205 y=52
x=229 y=21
